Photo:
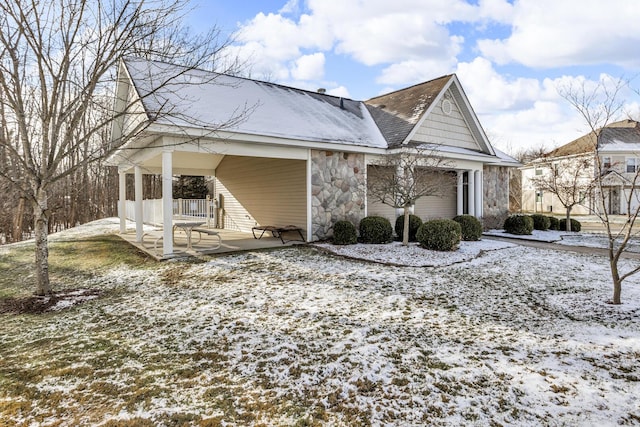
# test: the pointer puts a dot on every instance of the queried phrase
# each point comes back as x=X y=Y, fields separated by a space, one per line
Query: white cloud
x=551 y=33
x=413 y=71
x=309 y=67
x=339 y=91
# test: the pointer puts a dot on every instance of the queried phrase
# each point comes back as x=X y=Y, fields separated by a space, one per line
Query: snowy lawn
x=514 y=336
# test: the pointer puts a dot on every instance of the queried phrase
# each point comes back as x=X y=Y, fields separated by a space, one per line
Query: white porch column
x=460 y=194
x=167 y=202
x=122 y=202
x=138 y=203
x=471 y=193
x=478 y=191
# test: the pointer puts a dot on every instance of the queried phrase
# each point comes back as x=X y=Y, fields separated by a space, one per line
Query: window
x=606 y=162
x=538 y=196
x=538 y=171
x=632 y=165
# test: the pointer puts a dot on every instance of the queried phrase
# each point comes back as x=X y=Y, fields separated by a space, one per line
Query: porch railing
x=203 y=209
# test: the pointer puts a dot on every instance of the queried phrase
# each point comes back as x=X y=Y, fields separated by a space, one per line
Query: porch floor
x=232 y=241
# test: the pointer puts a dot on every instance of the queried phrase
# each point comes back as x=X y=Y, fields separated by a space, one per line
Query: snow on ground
x=413 y=255
x=509 y=336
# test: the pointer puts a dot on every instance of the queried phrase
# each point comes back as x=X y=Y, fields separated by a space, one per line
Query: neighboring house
x=297 y=157
x=618 y=148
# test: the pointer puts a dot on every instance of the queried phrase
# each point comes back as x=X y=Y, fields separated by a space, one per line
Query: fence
x=202 y=209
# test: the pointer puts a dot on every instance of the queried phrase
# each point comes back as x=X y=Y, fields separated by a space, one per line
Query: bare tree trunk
x=41 y=226
x=405 y=229
x=617 y=283
x=17 y=220
x=567 y=226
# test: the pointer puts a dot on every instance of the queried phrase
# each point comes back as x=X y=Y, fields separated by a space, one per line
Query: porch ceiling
x=184 y=163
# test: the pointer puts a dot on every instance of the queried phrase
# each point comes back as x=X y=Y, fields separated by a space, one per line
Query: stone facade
x=496 y=194
x=337 y=190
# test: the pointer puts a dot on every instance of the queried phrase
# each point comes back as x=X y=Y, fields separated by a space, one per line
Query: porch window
x=632 y=165
x=538 y=196
x=606 y=162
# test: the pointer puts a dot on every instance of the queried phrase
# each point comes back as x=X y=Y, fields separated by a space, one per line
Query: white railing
x=203 y=209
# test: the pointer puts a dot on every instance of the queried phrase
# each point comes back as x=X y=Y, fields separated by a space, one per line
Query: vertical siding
x=262 y=191
x=447 y=129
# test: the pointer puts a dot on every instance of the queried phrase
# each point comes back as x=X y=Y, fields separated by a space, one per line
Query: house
x=618 y=152
x=280 y=155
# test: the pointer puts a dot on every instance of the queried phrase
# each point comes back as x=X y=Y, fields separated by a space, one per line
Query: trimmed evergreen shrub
x=540 y=222
x=471 y=227
x=440 y=235
x=575 y=225
x=518 y=224
x=344 y=233
x=554 y=223
x=375 y=229
x=414 y=223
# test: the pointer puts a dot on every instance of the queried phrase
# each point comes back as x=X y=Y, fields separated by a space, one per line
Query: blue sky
x=511 y=56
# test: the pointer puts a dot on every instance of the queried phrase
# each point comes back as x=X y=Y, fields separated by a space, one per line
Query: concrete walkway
x=556 y=247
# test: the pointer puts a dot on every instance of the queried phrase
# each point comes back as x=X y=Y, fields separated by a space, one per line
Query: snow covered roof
x=618 y=136
x=203 y=99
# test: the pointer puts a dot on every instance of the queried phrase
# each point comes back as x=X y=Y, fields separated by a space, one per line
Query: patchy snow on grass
x=537 y=235
x=509 y=336
x=413 y=255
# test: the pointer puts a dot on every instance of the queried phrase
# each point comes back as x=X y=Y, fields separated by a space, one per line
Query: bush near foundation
x=554 y=223
x=471 y=227
x=540 y=222
x=375 y=229
x=575 y=225
x=414 y=223
x=440 y=235
x=344 y=233
x=518 y=224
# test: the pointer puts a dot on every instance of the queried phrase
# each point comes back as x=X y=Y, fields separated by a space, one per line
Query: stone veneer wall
x=337 y=190
x=496 y=194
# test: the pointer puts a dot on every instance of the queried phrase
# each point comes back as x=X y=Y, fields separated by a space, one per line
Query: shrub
x=414 y=223
x=440 y=235
x=575 y=225
x=375 y=229
x=518 y=224
x=540 y=222
x=344 y=233
x=470 y=225
x=554 y=224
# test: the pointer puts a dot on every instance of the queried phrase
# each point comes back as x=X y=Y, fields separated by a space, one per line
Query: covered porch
x=266 y=186
x=230 y=241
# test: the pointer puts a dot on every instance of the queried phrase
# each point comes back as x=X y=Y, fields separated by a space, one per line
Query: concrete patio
x=203 y=244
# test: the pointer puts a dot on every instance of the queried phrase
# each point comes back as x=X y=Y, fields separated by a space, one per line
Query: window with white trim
x=606 y=163
x=632 y=165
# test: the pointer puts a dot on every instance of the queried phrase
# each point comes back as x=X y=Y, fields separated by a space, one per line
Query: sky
x=512 y=57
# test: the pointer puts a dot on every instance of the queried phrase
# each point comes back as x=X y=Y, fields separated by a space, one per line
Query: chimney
x=322 y=91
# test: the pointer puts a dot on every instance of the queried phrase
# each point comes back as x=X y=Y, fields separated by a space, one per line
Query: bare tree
x=570 y=179
x=599 y=105
x=58 y=62
x=405 y=176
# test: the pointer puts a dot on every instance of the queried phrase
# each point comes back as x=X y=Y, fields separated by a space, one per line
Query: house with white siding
x=615 y=147
x=284 y=156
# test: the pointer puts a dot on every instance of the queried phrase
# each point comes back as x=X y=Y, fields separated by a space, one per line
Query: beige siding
x=432 y=207
x=428 y=207
x=262 y=191
x=447 y=129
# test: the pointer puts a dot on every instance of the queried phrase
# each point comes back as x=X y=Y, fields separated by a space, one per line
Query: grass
x=71 y=263
x=297 y=337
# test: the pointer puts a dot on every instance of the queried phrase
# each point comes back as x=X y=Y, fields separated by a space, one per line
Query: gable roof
x=618 y=135
x=197 y=102
x=397 y=113
x=203 y=99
